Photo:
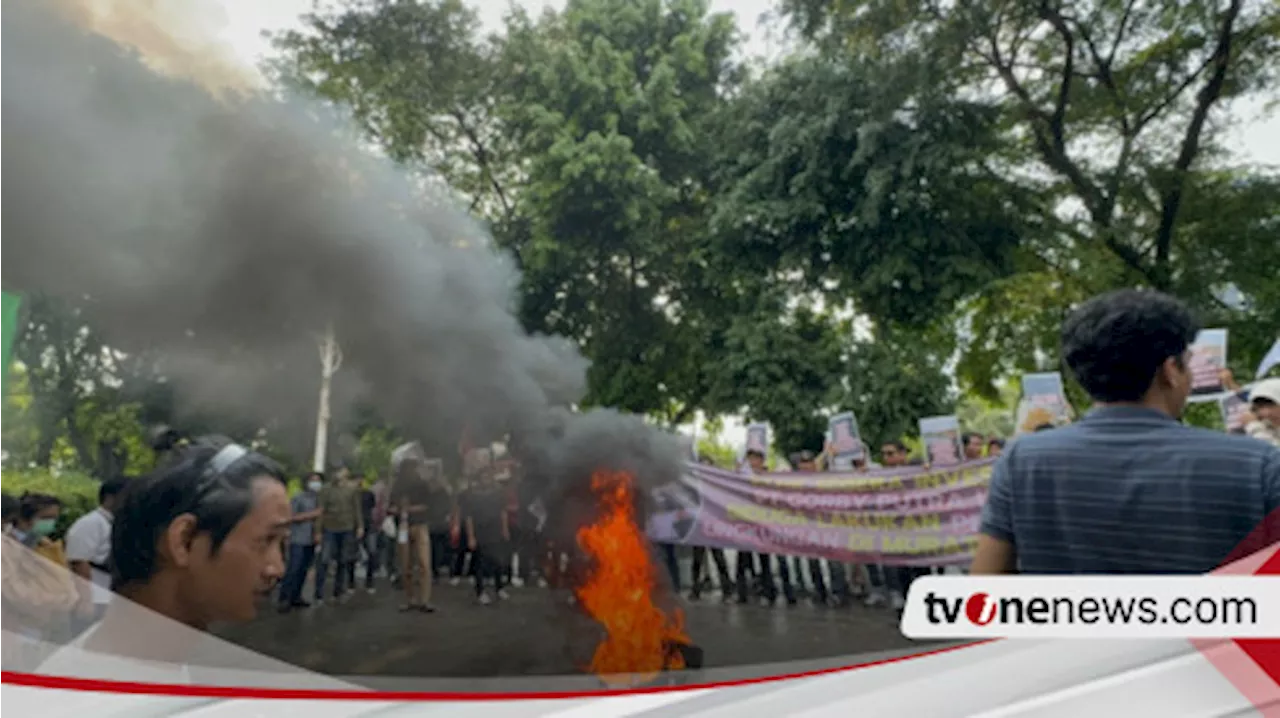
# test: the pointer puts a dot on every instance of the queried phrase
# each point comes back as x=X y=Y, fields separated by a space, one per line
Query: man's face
x=1267 y=411
x=227 y=585
x=807 y=466
x=756 y=461
x=891 y=455
x=973 y=448
x=994 y=449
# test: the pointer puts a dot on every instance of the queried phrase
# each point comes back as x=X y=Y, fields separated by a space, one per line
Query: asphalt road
x=538 y=632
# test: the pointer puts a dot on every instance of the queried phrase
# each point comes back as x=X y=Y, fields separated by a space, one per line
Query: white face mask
x=314 y=485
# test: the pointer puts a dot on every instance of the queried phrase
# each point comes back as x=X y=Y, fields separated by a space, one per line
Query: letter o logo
x=980 y=609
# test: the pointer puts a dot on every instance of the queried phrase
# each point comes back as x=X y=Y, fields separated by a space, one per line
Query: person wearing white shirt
x=89 y=550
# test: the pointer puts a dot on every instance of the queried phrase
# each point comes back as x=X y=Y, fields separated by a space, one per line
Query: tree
x=1143 y=82
x=826 y=174
x=579 y=136
x=894 y=379
x=783 y=369
x=1112 y=113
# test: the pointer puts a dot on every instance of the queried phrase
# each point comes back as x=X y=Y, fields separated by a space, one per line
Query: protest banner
x=1235 y=407
x=941 y=437
x=912 y=516
x=1208 y=359
x=844 y=441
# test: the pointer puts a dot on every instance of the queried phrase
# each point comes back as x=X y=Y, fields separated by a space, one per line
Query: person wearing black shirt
x=373 y=538
x=441 y=503
x=487 y=532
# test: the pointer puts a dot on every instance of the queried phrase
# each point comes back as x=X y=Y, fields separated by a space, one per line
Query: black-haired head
x=1129 y=346
x=173 y=527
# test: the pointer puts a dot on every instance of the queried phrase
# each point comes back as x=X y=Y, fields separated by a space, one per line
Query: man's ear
x=175 y=542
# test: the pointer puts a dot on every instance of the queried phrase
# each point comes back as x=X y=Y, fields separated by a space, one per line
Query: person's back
x=1131 y=490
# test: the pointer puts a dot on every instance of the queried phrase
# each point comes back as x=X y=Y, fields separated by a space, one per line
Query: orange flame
x=618 y=591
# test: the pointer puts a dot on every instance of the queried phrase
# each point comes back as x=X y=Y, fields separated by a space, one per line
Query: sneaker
x=455 y=581
x=517 y=582
x=542 y=582
x=897 y=601
x=873 y=600
x=503 y=594
x=319 y=602
x=765 y=603
x=301 y=604
x=427 y=608
x=371 y=590
x=485 y=600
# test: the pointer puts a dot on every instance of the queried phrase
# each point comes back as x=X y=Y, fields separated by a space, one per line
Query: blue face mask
x=43 y=527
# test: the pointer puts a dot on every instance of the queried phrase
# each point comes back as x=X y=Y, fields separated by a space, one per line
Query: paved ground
x=537 y=632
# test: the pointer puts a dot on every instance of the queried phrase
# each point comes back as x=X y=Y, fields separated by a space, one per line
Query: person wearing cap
x=1263 y=419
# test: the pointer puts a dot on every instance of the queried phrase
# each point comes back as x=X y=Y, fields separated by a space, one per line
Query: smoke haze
x=223 y=235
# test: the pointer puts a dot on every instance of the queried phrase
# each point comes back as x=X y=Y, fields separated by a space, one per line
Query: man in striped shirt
x=1129 y=488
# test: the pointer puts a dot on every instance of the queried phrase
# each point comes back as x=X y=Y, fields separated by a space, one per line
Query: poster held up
x=941 y=437
x=1208 y=359
x=844 y=441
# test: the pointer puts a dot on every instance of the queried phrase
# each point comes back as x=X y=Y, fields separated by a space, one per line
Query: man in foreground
x=197 y=542
x=1128 y=488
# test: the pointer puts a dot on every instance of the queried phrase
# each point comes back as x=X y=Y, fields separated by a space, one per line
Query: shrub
x=77 y=492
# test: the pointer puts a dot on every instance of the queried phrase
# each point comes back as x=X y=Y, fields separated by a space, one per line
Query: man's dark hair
x=968 y=437
x=1043 y=427
x=9 y=507
x=31 y=504
x=317 y=474
x=112 y=487
x=218 y=493
x=996 y=441
x=1116 y=342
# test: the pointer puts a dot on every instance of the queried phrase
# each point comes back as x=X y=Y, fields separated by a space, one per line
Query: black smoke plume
x=224 y=234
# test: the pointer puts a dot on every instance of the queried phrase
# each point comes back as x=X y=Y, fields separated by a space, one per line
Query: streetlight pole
x=330 y=362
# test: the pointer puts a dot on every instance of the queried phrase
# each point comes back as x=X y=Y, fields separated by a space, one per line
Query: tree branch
x=1171 y=198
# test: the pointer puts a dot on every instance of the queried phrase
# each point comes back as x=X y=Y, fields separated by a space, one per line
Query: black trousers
x=441 y=553
x=722 y=568
x=819 y=582
x=673 y=564
x=768 y=586
x=486 y=565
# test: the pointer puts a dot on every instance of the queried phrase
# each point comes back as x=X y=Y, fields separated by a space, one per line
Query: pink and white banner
x=913 y=516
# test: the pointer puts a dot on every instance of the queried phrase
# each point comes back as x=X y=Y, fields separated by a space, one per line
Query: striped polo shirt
x=1131 y=490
